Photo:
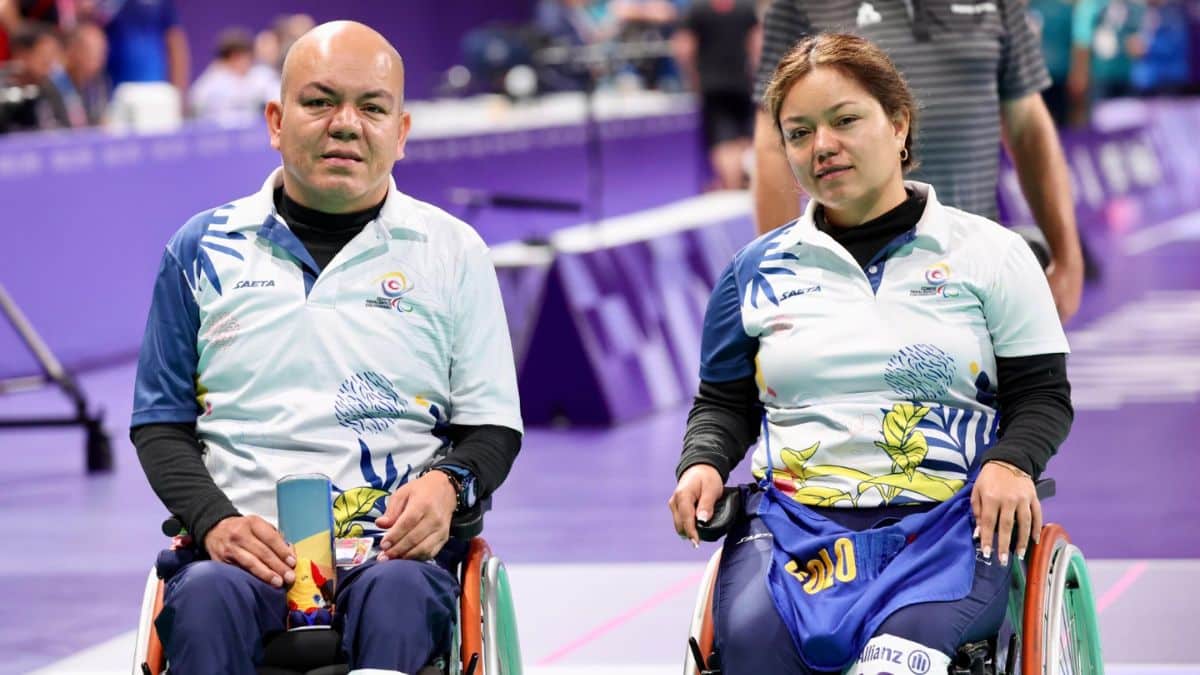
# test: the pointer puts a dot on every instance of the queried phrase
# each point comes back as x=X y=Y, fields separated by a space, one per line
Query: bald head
x=340 y=122
x=345 y=49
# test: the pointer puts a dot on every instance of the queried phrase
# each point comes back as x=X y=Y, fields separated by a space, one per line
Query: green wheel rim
x=1081 y=608
x=506 y=630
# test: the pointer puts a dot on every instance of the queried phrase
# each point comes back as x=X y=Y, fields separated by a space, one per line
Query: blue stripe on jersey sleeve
x=726 y=352
x=165 y=388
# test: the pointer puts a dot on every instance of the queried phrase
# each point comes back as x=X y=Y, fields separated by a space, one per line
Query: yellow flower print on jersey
x=797 y=472
x=901 y=440
x=353 y=505
x=907 y=448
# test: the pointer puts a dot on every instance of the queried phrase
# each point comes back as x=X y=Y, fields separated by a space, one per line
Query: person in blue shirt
x=147 y=43
x=906 y=366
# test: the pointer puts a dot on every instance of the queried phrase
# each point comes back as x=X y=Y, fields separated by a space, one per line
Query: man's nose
x=345 y=122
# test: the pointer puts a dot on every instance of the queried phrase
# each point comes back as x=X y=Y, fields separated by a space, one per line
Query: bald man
x=330 y=324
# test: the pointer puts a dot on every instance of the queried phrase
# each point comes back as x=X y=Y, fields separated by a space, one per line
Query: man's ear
x=274 y=116
x=402 y=138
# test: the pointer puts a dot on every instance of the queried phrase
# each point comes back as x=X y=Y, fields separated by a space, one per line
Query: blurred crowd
x=80 y=63
x=77 y=63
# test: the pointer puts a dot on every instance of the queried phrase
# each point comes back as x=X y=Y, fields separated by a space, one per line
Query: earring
x=903 y=154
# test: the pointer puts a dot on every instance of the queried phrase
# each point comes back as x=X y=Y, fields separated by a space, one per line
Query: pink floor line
x=623 y=618
x=1118 y=589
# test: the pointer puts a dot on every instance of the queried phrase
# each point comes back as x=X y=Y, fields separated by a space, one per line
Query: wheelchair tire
x=502 y=645
x=1058 y=627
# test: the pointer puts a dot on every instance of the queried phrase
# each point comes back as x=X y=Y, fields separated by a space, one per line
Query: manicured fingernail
x=291 y=561
x=703 y=516
x=695 y=543
x=276 y=581
x=385 y=545
x=381 y=557
x=1021 y=556
x=290 y=577
x=1003 y=558
x=975 y=534
x=987 y=552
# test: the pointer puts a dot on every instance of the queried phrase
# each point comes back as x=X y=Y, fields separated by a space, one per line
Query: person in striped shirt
x=977 y=71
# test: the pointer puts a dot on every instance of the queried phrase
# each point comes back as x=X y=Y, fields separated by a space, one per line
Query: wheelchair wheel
x=148 y=655
x=489 y=622
x=701 y=629
x=1056 y=618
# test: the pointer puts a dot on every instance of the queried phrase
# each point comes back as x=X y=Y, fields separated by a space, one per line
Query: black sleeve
x=170 y=455
x=1035 y=410
x=722 y=425
x=487 y=450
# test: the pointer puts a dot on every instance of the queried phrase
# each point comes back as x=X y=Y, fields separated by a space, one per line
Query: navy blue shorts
x=751 y=637
x=394 y=615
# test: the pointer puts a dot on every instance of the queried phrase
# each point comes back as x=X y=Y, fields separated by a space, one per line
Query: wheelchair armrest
x=172 y=527
x=469 y=524
x=1045 y=488
x=727 y=509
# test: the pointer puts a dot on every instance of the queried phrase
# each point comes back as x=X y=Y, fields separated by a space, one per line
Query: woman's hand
x=694 y=498
x=1003 y=496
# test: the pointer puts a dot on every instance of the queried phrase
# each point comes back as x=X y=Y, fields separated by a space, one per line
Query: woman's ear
x=900 y=122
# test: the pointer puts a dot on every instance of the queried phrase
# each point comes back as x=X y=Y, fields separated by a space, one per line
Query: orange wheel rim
x=154 y=649
x=1033 y=624
x=707 y=637
x=471 y=607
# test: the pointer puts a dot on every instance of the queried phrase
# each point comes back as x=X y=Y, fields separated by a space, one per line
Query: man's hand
x=418 y=518
x=1065 y=275
x=1005 y=496
x=695 y=495
x=254 y=545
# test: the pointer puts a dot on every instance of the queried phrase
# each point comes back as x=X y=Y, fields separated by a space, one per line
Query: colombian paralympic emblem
x=394 y=286
x=937 y=276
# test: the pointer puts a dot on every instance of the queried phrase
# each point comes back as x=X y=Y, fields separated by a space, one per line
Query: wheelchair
x=1051 y=612
x=484 y=640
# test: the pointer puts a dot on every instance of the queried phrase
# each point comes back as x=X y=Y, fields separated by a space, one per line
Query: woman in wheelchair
x=875 y=342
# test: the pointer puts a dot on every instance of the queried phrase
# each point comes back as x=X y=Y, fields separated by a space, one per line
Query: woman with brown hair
x=874 y=341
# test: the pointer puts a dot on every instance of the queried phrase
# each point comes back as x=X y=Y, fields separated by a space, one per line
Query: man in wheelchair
x=327 y=324
x=906 y=366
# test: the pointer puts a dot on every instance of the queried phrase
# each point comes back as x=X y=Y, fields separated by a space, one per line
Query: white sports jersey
x=880 y=384
x=354 y=372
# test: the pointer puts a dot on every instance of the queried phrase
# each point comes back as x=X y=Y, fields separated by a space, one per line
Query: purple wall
x=426 y=33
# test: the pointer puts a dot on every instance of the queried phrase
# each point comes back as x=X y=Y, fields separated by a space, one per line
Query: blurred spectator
x=232 y=91
x=1052 y=20
x=717 y=48
x=86 y=84
x=266 y=49
x=288 y=28
x=146 y=42
x=648 y=23
x=10 y=20
x=1163 y=66
x=562 y=23
x=575 y=23
x=1104 y=44
x=31 y=101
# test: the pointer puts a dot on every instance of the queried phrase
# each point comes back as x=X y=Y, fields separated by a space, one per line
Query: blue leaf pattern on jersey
x=769 y=266
x=367 y=402
x=920 y=372
x=203 y=264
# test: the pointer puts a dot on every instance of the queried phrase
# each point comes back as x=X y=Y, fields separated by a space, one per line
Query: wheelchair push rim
x=1057 y=617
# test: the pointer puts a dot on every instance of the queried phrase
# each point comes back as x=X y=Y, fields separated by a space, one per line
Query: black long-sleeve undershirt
x=1034 y=400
